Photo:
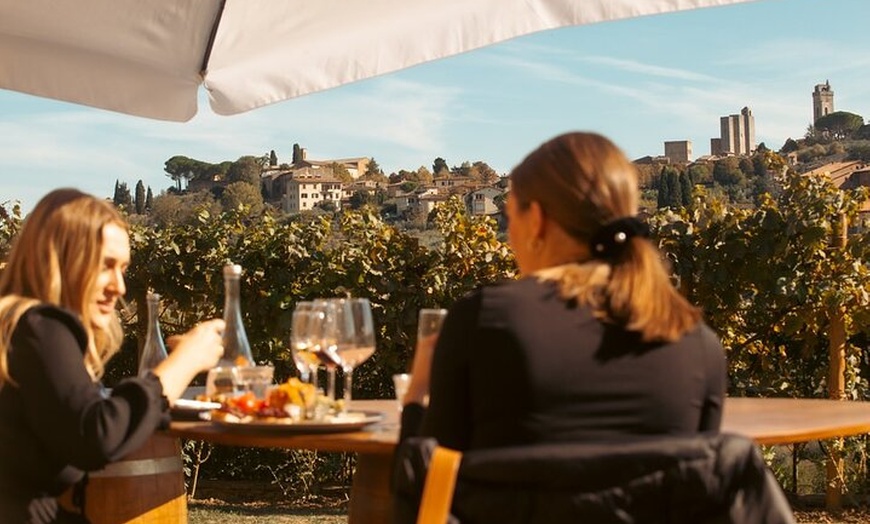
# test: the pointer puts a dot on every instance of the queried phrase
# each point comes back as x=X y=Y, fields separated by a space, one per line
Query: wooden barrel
x=146 y=486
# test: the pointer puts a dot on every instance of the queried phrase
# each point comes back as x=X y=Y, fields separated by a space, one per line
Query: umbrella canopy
x=149 y=57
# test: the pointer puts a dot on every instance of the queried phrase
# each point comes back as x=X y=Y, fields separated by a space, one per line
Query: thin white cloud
x=641 y=68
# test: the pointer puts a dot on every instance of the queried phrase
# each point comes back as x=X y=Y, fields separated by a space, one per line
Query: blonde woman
x=58 y=328
x=592 y=343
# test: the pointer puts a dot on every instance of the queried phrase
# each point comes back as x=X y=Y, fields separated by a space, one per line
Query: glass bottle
x=237 y=350
x=153 y=352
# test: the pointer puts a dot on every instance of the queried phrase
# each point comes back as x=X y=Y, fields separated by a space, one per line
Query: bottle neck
x=232 y=307
x=153 y=351
x=153 y=319
x=237 y=350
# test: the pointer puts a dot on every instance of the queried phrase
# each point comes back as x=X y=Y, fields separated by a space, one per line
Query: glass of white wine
x=358 y=341
x=305 y=329
x=328 y=336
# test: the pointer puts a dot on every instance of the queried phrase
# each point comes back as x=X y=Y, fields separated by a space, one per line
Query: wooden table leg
x=370 y=492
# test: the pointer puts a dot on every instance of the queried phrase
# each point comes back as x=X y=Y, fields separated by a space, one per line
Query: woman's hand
x=202 y=346
x=197 y=350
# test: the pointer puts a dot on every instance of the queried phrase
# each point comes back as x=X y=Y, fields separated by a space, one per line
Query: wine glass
x=329 y=336
x=306 y=326
x=359 y=341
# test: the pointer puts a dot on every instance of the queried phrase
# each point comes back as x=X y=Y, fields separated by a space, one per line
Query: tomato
x=247 y=403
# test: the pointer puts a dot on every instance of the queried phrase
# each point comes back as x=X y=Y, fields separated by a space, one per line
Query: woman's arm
x=449 y=414
x=191 y=353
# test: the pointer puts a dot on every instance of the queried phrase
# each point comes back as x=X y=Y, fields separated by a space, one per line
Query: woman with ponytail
x=592 y=342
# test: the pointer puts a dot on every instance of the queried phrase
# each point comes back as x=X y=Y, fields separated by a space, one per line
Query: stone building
x=823 y=100
x=737 y=134
x=679 y=151
x=302 y=189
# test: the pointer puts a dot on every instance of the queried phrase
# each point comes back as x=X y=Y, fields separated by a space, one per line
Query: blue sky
x=641 y=82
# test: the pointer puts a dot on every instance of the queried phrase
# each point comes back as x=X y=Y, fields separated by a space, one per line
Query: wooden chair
x=440 y=484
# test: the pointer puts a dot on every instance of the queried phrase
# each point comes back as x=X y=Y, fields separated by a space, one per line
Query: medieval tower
x=823 y=100
x=737 y=134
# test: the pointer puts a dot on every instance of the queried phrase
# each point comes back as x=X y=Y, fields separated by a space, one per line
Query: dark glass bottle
x=153 y=352
x=237 y=350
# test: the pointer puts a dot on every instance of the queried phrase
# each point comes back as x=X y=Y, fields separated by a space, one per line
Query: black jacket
x=706 y=478
x=56 y=423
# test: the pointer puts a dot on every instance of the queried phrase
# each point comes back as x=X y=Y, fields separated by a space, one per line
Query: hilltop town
x=736 y=169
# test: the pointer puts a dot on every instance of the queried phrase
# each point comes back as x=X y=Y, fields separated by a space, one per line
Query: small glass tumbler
x=220 y=383
x=400 y=383
x=430 y=322
x=256 y=379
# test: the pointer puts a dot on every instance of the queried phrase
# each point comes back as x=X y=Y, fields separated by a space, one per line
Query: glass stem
x=330 y=383
x=348 y=384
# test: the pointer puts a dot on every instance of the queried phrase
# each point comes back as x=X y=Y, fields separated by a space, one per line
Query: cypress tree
x=140 y=198
x=685 y=189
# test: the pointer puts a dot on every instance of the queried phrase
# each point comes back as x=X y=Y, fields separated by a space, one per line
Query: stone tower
x=823 y=100
x=737 y=134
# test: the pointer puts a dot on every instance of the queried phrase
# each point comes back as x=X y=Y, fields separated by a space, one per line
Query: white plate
x=190 y=405
x=351 y=421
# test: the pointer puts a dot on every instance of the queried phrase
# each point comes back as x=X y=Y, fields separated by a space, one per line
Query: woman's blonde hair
x=55 y=260
x=585 y=183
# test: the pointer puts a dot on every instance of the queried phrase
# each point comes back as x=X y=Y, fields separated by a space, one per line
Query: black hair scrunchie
x=610 y=240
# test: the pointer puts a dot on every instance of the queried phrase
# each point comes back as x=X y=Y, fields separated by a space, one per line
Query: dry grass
x=239 y=502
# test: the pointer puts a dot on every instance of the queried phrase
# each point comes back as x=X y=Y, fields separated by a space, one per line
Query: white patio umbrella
x=149 y=57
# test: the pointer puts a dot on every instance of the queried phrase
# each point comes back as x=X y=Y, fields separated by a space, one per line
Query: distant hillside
x=812 y=154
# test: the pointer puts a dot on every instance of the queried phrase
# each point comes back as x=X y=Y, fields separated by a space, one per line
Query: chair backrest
x=440 y=484
x=703 y=478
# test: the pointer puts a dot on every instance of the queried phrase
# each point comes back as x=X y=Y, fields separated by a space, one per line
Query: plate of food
x=292 y=407
x=349 y=421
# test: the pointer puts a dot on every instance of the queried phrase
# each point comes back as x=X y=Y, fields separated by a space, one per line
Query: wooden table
x=766 y=420
x=370 y=492
x=790 y=420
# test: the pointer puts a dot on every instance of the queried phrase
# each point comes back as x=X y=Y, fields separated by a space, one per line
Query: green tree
x=421 y=175
x=440 y=167
x=243 y=195
x=699 y=173
x=481 y=172
x=170 y=209
x=464 y=169
x=746 y=166
x=675 y=190
x=374 y=171
x=140 y=198
x=727 y=172
x=789 y=146
x=326 y=205
x=182 y=170
x=149 y=199
x=670 y=190
x=340 y=172
x=664 y=193
x=273 y=158
x=122 y=197
x=297 y=154
x=362 y=198
x=246 y=169
x=685 y=189
x=839 y=124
